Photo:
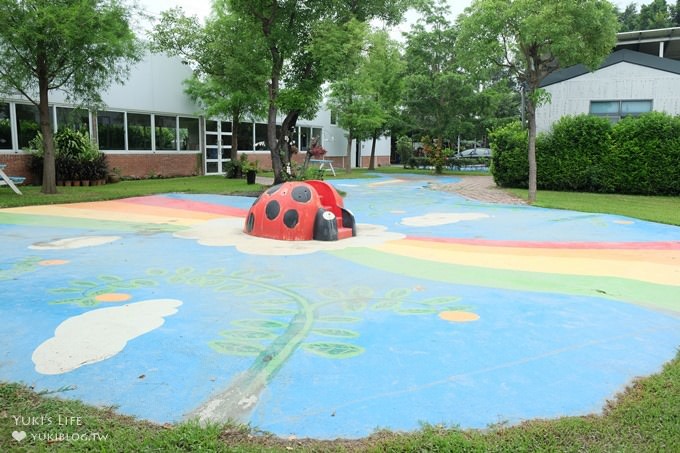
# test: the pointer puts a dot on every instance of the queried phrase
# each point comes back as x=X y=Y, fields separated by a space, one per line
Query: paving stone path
x=480 y=188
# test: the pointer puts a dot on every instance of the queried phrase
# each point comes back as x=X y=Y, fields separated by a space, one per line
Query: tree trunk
x=349 y=152
x=371 y=162
x=531 y=117
x=49 y=182
x=235 y=121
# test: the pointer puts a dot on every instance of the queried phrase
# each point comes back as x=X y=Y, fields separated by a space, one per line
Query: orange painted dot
x=112 y=297
x=458 y=316
x=52 y=262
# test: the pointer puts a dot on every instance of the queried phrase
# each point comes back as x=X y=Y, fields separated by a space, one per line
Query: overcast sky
x=201 y=8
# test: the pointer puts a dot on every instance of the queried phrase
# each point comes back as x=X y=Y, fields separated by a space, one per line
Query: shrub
x=645 y=155
x=572 y=156
x=405 y=150
x=509 y=162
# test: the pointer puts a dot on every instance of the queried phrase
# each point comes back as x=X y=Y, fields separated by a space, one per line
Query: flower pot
x=76 y=183
x=68 y=183
x=84 y=182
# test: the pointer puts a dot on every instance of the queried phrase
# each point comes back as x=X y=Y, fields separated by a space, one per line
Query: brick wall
x=157 y=164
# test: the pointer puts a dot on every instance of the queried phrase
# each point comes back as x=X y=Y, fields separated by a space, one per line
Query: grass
x=644 y=418
x=196 y=184
x=652 y=208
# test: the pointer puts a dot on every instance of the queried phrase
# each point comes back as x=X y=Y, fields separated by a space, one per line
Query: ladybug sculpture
x=300 y=211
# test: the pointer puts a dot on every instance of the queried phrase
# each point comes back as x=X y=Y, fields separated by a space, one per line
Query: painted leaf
x=272 y=302
x=276 y=311
x=268 y=277
x=333 y=350
x=110 y=278
x=253 y=334
x=363 y=292
x=250 y=291
x=441 y=300
x=340 y=333
x=259 y=324
x=398 y=293
x=184 y=271
x=354 y=305
x=156 y=272
x=230 y=287
x=233 y=347
x=417 y=311
x=78 y=301
x=331 y=293
x=66 y=290
x=386 y=305
x=83 y=283
x=217 y=271
x=143 y=283
x=341 y=319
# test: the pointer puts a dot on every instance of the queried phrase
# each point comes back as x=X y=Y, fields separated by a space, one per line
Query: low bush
x=638 y=155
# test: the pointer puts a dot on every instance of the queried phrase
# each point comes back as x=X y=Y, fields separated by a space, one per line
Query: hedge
x=638 y=155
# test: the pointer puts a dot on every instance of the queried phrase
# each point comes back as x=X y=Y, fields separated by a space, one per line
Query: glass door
x=217 y=146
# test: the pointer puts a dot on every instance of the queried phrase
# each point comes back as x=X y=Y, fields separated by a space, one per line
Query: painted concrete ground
x=441 y=310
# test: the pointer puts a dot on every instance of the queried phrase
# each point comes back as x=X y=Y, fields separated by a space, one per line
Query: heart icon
x=19 y=435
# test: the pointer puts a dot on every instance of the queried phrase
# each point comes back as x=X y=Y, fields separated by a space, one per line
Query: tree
x=531 y=39
x=656 y=14
x=439 y=99
x=629 y=18
x=307 y=44
x=79 y=47
x=228 y=59
x=383 y=71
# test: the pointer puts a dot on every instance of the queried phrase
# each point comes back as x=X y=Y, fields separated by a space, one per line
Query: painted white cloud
x=228 y=231
x=99 y=334
x=74 y=243
x=442 y=218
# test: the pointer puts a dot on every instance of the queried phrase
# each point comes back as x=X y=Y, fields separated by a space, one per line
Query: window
x=189 y=134
x=306 y=136
x=5 y=127
x=111 y=130
x=261 y=137
x=615 y=110
x=166 y=133
x=245 y=136
x=334 y=117
x=28 y=123
x=139 y=131
x=75 y=119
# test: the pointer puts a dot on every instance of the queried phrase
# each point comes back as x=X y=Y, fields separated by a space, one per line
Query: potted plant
x=250 y=168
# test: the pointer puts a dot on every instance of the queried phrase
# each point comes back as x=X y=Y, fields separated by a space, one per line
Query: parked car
x=476 y=152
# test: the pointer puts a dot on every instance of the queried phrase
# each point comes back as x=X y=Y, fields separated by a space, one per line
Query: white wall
x=622 y=81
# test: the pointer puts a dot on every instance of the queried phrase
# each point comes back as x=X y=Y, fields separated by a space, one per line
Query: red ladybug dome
x=300 y=211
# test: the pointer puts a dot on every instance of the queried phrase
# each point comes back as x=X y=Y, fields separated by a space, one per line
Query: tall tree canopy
x=79 y=47
x=307 y=44
x=655 y=14
x=531 y=39
x=228 y=57
x=439 y=98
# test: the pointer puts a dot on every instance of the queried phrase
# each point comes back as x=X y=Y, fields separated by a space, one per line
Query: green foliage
x=638 y=155
x=509 y=164
x=405 y=149
x=645 y=155
x=573 y=157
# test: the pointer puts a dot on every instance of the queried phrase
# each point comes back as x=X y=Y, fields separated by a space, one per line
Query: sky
x=201 y=8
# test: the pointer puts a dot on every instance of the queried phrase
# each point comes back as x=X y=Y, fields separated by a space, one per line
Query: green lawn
x=644 y=418
x=655 y=209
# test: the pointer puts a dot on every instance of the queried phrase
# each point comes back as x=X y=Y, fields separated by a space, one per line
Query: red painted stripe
x=660 y=245
x=200 y=206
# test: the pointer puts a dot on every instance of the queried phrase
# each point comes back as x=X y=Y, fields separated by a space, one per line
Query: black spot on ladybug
x=273 y=189
x=250 y=223
x=302 y=194
x=291 y=218
x=273 y=209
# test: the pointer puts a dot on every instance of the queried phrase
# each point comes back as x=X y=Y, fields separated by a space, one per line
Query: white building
x=641 y=75
x=150 y=127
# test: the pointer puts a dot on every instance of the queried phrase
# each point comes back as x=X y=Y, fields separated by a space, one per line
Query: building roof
x=662 y=42
x=620 y=56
